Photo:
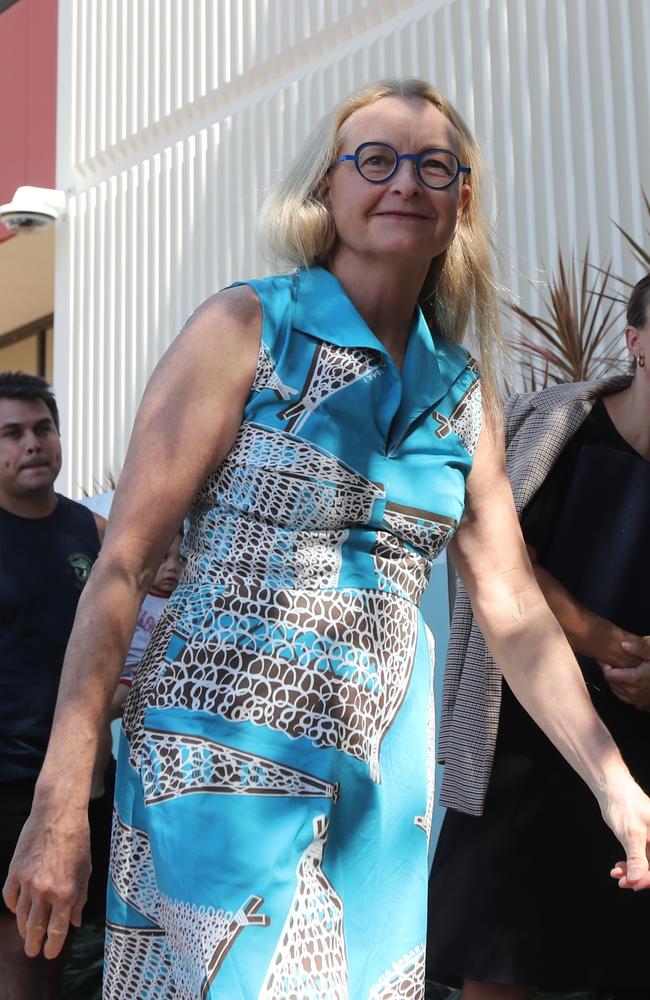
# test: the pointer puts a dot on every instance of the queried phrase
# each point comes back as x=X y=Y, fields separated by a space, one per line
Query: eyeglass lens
x=376 y=162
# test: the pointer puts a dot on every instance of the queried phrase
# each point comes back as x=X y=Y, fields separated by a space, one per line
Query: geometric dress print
x=310 y=960
x=275 y=786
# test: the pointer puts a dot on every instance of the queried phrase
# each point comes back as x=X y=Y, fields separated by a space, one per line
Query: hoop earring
x=641 y=360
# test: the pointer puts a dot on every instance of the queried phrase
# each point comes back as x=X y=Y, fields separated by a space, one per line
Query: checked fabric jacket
x=538 y=426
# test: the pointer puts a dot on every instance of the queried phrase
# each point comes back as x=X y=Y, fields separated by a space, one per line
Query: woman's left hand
x=627 y=814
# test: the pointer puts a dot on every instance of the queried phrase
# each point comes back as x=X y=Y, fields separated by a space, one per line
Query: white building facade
x=175 y=116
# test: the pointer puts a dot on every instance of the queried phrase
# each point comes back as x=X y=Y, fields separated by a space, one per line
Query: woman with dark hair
x=324 y=427
x=503 y=917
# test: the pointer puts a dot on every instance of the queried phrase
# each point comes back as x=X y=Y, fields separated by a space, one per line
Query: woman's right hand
x=47 y=883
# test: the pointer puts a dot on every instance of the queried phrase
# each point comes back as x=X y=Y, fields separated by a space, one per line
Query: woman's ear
x=632 y=340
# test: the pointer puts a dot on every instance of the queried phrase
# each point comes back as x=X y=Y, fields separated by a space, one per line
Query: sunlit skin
x=389 y=233
x=30 y=457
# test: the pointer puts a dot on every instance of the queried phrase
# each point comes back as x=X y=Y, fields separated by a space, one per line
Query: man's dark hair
x=19 y=385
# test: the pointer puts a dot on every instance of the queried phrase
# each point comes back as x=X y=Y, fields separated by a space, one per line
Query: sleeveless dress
x=275 y=778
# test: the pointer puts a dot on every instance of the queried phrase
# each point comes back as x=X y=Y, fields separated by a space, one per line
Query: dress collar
x=324 y=310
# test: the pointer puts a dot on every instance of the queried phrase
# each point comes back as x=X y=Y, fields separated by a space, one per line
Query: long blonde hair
x=460 y=290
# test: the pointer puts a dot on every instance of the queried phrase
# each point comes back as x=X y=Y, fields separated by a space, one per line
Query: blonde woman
x=275 y=777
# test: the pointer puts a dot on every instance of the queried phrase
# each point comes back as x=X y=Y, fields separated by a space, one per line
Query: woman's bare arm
x=187 y=422
x=532 y=651
x=588 y=633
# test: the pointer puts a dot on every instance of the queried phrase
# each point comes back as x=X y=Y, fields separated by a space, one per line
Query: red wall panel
x=27 y=96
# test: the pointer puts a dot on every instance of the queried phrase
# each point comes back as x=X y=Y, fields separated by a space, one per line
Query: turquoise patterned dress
x=275 y=779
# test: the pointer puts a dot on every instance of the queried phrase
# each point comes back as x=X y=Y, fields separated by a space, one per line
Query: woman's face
x=401 y=217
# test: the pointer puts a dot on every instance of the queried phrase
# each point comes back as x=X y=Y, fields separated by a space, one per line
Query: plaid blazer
x=538 y=425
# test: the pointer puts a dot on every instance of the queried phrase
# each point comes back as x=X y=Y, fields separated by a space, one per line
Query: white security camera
x=32 y=208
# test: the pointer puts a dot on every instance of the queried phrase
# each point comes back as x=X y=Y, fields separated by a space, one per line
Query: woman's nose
x=405 y=179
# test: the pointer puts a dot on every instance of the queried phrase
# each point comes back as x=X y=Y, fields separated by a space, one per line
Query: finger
x=622 y=674
x=637 y=647
x=57 y=930
x=76 y=913
x=637 y=885
x=637 y=861
x=36 y=927
x=11 y=892
x=22 y=912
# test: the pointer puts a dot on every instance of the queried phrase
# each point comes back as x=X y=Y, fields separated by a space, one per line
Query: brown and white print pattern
x=310 y=960
x=176 y=764
x=250 y=550
x=424 y=530
x=132 y=872
x=399 y=568
x=333 y=368
x=182 y=952
x=200 y=937
x=424 y=822
x=266 y=376
x=137 y=964
x=404 y=981
x=333 y=667
x=466 y=419
x=285 y=481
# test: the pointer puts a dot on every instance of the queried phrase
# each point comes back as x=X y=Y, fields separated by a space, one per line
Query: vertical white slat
x=200 y=286
x=141 y=331
x=112 y=372
x=97 y=334
x=92 y=82
x=604 y=152
x=153 y=332
x=543 y=178
x=503 y=151
x=564 y=173
x=77 y=382
x=133 y=81
x=224 y=42
x=481 y=56
x=624 y=25
x=582 y=109
x=81 y=18
x=112 y=70
x=523 y=192
x=121 y=279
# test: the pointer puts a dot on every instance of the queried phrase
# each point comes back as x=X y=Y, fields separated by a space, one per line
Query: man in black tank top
x=47 y=547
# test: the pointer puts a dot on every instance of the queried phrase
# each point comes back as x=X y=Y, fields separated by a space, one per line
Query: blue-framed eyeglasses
x=377 y=162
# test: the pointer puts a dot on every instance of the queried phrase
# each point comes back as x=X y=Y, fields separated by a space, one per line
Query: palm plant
x=576 y=337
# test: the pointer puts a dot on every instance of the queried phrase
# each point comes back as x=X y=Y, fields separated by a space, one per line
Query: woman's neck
x=384 y=293
x=630 y=413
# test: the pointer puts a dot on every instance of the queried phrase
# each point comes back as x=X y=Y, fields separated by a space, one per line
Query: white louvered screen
x=175 y=115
